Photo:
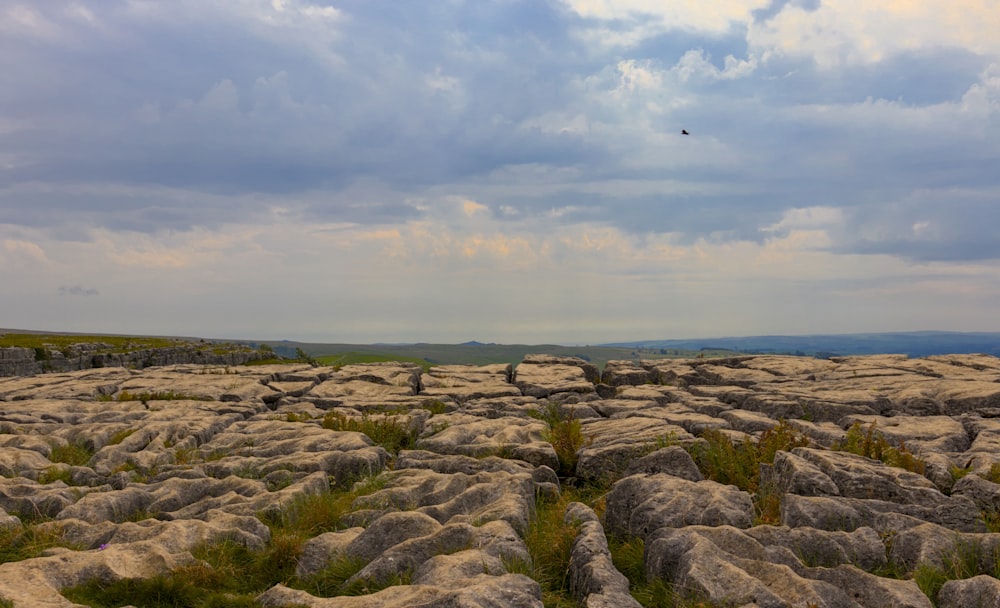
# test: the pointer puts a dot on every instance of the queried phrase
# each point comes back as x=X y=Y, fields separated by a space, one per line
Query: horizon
x=472 y=342
x=345 y=171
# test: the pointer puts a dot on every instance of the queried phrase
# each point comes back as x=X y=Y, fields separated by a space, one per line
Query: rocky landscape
x=761 y=481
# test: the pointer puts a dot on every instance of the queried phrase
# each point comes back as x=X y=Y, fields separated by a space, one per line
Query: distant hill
x=914 y=344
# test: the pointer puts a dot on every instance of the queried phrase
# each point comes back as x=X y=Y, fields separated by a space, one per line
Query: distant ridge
x=914 y=344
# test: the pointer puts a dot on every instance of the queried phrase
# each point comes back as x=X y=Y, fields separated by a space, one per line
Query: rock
x=612 y=444
x=593 y=578
x=482 y=591
x=640 y=504
x=625 y=373
x=980 y=591
x=542 y=381
x=673 y=460
x=918 y=433
x=320 y=550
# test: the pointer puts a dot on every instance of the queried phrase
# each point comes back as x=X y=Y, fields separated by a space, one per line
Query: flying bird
x=684 y=132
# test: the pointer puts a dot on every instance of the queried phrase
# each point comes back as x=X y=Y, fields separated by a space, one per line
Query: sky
x=499 y=170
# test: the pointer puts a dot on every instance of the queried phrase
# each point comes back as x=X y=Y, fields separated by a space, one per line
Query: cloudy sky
x=499 y=170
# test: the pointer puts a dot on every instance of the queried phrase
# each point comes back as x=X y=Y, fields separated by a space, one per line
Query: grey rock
x=593 y=578
x=672 y=460
x=640 y=504
x=977 y=592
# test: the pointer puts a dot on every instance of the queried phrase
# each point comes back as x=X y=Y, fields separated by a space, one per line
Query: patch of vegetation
x=991 y=517
x=966 y=559
x=170 y=591
x=993 y=474
x=76 y=453
x=29 y=541
x=565 y=433
x=5 y=603
x=870 y=443
x=62 y=342
x=627 y=556
x=160 y=396
x=120 y=436
x=230 y=575
x=550 y=540
x=738 y=464
x=54 y=474
x=388 y=431
x=334 y=580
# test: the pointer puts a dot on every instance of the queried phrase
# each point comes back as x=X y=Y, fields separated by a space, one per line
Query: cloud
x=78 y=290
x=838 y=32
x=455 y=153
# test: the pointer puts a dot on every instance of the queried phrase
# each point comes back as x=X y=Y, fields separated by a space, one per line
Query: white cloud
x=655 y=16
x=841 y=32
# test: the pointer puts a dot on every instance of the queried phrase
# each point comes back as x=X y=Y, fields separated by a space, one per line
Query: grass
x=550 y=541
x=385 y=430
x=335 y=579
x=76 y=453
x=230 y=575
x=993 y=474
x=54 y=474
x=60 y=341
x=565 y=433
x=738 y=464
x=29 y=541
x=965 y=560
x=870 y=443
x=627 y=556
x=120 y=436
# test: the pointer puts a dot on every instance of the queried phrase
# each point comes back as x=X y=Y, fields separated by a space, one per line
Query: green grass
x=62 y=341
x=993 y=474
x=120 y=436
x=390 y=432
x=53 y=474
x=738 y=464
x=26 y=542
x=627 y=556
x=870 y=443
x=965 y=560
x=550 y=542
x=76 y=454
x=230 y=575
x=565 y=433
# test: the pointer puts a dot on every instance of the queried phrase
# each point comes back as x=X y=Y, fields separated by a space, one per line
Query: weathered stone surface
x=537 y=380
x=482 y=591
x=625 y=373
x=152 y=479
x=593 y=579
x=640 y=504
x=672 y=460
x=979 y=591
x=613 y=444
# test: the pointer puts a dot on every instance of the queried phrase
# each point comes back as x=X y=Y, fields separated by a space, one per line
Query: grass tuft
x=76 y=453
x=871 y=443
x=565 y=433
x=966 y=559
x=20 y=543
x=738 y=464
x=390 y=432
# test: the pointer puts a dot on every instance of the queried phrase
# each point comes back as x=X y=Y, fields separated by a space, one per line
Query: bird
x=684 y=132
